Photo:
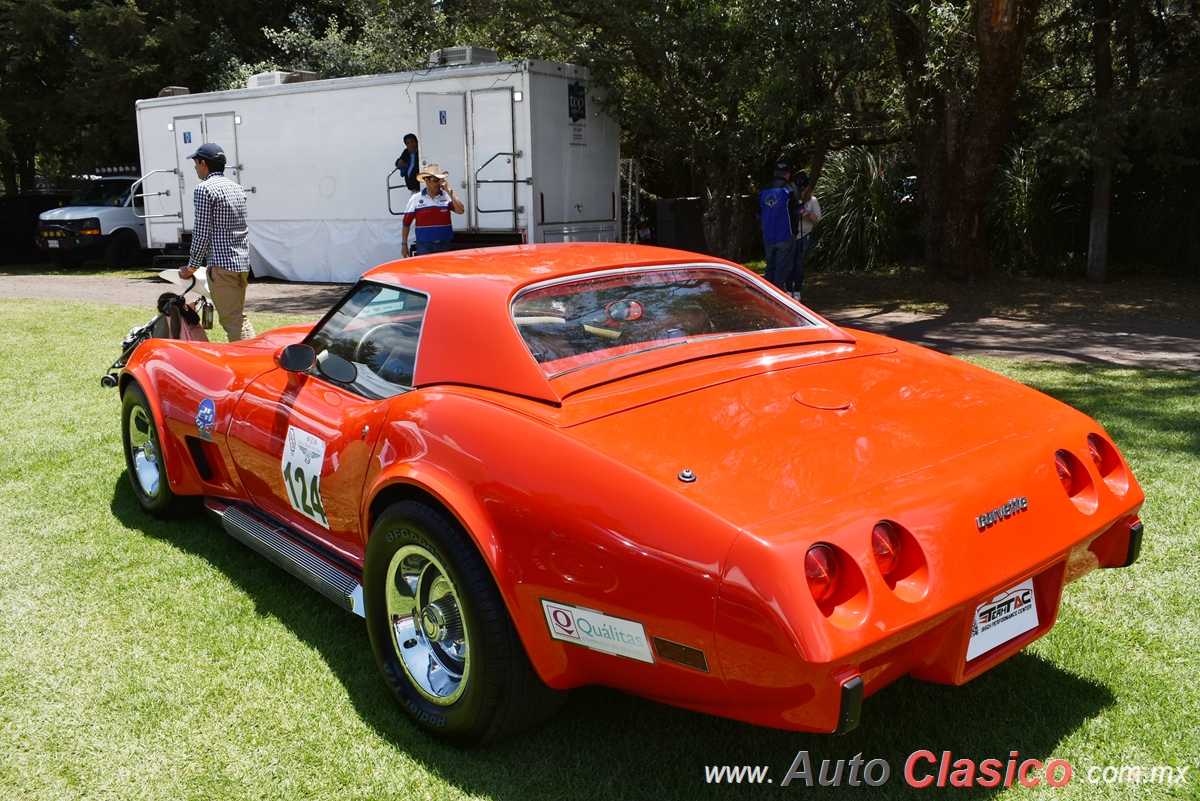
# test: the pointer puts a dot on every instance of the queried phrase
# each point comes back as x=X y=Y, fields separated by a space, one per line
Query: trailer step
x=285 y=548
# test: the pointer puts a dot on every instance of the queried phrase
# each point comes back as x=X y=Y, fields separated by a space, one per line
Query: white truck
x=527 y=146
x=102 y=220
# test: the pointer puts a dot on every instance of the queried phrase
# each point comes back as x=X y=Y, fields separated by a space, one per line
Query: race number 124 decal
x=303 y=457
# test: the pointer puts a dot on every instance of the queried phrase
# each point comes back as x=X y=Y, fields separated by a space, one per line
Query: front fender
x=177 y=378
x=182 y=475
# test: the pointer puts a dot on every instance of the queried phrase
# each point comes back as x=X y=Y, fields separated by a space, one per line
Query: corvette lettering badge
x=1002 y=513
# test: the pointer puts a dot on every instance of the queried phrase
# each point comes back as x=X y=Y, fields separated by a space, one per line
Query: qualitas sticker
x=598 y=631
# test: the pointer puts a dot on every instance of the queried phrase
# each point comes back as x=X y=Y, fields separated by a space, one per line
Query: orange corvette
x=540 y=467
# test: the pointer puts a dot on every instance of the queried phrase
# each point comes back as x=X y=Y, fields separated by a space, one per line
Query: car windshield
x=585 y=321
x=369 y=345
x=105 y=192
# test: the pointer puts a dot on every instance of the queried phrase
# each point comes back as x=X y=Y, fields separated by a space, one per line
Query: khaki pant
x=229 y=296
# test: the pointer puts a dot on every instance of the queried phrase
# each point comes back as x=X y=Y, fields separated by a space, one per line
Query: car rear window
x=584 y=321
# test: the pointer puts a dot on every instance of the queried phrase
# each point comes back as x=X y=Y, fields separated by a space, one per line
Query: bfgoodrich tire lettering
x=144 y=457
x=441 y=633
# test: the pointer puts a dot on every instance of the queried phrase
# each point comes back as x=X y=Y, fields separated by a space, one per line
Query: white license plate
x=1006 y=616
x=53 y=243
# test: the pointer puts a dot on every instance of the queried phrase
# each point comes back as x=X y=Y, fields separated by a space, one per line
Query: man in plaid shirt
x=220 y=239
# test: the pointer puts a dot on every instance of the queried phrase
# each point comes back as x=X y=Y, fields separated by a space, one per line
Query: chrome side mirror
x=336 y=368
x=296 y=358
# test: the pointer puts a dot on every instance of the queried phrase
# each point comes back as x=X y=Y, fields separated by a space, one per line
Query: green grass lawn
x=152 y=660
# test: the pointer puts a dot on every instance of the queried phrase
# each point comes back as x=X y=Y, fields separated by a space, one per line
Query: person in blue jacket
x=779 y=207
x=409 y=163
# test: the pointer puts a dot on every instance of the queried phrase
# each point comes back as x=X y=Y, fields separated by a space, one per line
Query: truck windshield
x=105 y=192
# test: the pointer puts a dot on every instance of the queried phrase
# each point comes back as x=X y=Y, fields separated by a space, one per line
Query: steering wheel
x=378 y=347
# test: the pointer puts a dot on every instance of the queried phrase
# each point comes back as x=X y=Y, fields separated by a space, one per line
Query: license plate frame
x=1003 y=618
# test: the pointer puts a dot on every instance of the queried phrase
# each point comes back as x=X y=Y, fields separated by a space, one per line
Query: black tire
x=65 y=261
x=143 y=456
x=124 y=250
x=442 y=635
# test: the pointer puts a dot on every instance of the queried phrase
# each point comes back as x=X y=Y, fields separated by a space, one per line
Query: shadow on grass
x=606 y=744
x=1140 y=408
x=962 y=331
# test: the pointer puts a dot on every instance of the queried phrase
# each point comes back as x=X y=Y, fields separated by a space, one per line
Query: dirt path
x=1169 y=347
x=280 y=297
x=1123 y=344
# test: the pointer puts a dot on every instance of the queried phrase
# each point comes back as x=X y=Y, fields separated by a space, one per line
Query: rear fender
x=558 y=521
x=404 y=478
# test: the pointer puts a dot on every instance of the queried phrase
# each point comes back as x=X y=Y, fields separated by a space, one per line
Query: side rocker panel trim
x=277 y=545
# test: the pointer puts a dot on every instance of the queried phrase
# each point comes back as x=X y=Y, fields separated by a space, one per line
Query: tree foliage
x=993 y=102
x=71 y=70
x=709 y=93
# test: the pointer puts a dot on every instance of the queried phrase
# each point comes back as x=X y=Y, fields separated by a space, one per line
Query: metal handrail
x=144 y=195
x=390 y=187
x=514 y=181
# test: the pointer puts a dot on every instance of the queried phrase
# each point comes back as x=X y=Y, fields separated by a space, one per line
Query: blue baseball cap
x=209 y=152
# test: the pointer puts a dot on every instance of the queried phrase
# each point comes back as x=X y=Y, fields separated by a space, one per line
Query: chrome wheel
x=441 y=632
x=429 y=634
x=143 y=449
x=144 y=456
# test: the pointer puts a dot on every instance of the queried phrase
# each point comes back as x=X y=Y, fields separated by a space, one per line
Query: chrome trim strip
x=277 y=545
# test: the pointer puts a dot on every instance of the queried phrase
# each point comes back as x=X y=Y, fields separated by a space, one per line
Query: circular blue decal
x=206 y=418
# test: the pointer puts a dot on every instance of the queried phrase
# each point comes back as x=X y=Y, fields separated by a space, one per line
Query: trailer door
x=495 y=163
x=190 y=133
x=442 y=130
x=221 y=129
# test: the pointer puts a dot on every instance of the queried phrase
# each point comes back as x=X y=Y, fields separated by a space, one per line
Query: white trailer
x=528 y=149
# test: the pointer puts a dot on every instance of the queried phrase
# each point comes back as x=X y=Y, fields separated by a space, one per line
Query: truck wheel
x=123 y=250
x=144 y=456
x=64 y=261
x=441 y=632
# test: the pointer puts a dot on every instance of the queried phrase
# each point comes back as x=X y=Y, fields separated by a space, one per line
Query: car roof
x=468 y=336
x=516 y=266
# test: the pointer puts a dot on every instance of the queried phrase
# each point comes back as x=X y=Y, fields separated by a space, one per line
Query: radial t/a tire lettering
x=144 y=456
x=441 y=633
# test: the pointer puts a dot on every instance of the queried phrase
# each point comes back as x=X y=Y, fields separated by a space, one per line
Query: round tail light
x=821 y=570
x=1062 y=463
x=885 y=544
x=1096 y=449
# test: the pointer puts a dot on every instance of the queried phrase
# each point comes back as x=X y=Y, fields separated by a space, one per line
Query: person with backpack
x=779 y=204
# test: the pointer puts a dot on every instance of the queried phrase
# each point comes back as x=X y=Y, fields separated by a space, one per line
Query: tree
x=959 y=65
x=1112 y=100
x=708 y=93
x=35 y=54
x=363 y=38
x=71 y=71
